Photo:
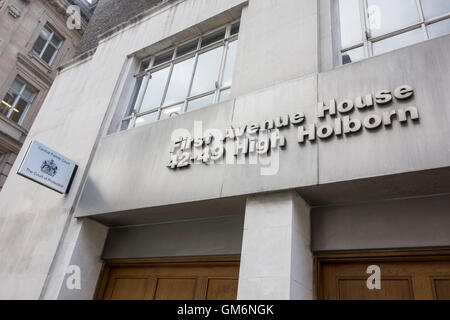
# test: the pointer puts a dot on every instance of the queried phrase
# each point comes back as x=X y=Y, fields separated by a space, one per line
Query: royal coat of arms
x=49 y=167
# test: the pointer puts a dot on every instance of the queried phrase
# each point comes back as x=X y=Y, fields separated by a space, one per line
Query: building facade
x=35 y=39
x=248 y=149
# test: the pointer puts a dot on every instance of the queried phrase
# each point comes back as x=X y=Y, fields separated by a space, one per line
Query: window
x=190 y=76
x=372 y=27
x=47 y=45
x=17 y=101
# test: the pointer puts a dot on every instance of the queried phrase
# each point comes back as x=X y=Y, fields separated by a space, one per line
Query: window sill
x=393 y=51
x=13 y=124
x=27 y=64
x=41 y=62
x=171 y=118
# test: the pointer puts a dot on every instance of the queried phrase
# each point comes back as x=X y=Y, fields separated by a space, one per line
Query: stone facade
x=20 y=25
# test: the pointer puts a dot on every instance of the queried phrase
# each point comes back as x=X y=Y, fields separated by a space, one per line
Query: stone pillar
x=81 y=247
x=276 y=259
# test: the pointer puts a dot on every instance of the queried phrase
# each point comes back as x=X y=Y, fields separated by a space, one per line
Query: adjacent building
x=34 y=40
x=248 y=149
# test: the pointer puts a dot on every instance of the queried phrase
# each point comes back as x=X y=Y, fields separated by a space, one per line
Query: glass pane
x=387 y=15
x=125 y=124
x=9 y=98
x=438 y=29
x=144 y=66
x=7 y=103
x=353 y=55
x=155 y=90
x=207 y=71
x=134 y=96
x=18 y=110
x=350 y=22
x=213 y=37
x=56 y=40
x=435 y=8
x=148 y=118
x=162 y=58
x=46 y=32
x=29 y=94
x=200 y=102
x=235 y=28
x=229 y=64
x=180 y=81
x=171 y=111
x=39 y=45
x=224 y=95
x=17 y=85
x=49 y=53
x=399 y=41
x=186 y=48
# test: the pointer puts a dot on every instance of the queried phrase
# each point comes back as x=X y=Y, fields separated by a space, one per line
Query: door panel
x=442 y=289
x=391 y=289
x=185 y=280
x=404 y=277
x=128 y=289
x=222 y=289
x=175 y=289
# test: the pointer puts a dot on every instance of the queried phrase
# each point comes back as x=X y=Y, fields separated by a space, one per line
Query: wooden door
x=404 y=276
x=192 y=279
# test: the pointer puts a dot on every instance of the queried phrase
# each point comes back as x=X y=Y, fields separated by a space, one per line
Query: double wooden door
x=182 y=279
x=403 y=276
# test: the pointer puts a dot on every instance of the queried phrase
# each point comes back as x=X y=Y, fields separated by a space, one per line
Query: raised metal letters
x=383 y=97
x=260 y=138
x=403 y=92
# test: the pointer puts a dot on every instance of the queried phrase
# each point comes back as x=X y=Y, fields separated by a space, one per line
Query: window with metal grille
x=373 y=27
x=187 y=77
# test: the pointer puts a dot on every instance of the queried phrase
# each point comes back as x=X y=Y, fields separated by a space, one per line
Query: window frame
x=3 y=155
x=19 y=96
x=48 y=42
x=134 y=110
x=367 y=40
